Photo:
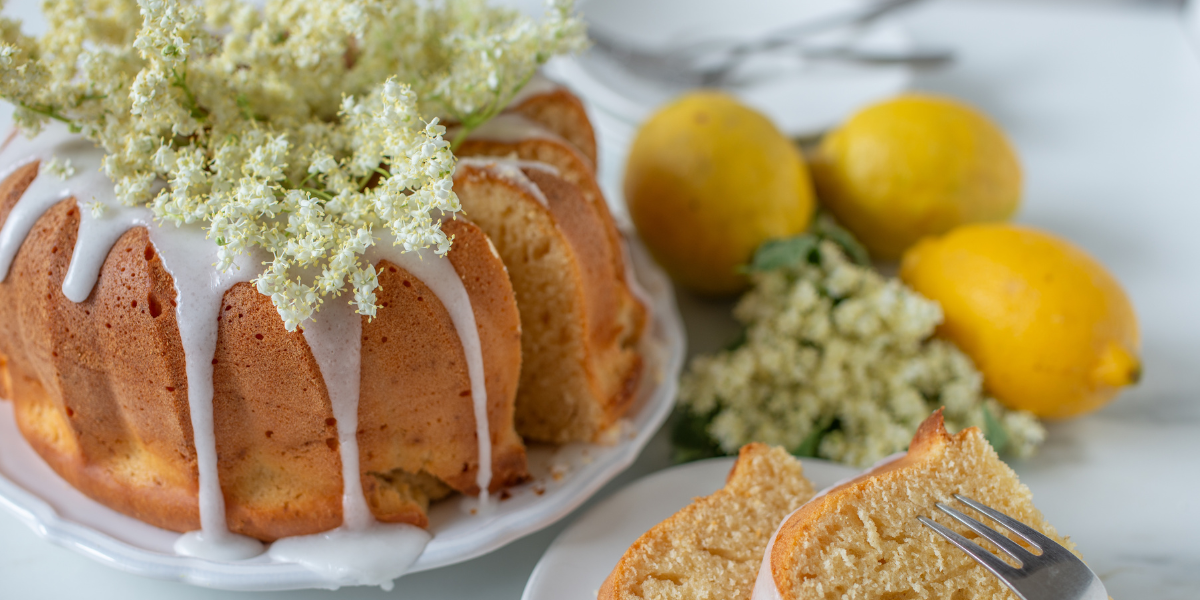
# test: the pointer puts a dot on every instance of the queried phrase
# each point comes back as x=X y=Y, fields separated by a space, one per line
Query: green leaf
x=739 y=341
x=813 y=441
x=690 y=438
x=782 y=253
x=795 y=250
x=825 y=227
x=994 y=431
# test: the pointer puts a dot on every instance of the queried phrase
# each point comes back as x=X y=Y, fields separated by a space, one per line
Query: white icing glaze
x=335 y=338
x=537 y=85
x=372 y=556
x=764 y=586
x=437 y=273
x=510 y=169
x=510 y=128
x=200 y=289
x=361 y=551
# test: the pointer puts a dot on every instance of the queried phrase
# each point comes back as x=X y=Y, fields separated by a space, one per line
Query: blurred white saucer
x=803 y=97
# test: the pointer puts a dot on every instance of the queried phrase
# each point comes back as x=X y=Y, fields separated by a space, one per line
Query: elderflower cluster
x=306 y=129
x=841 y=360
x=62 y=169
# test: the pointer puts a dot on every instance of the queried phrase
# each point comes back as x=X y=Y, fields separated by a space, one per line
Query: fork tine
x=1009 y=547
x=1022 y=530
x=990 y=561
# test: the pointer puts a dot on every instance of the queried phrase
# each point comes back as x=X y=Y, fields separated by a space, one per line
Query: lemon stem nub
x=1118 y=367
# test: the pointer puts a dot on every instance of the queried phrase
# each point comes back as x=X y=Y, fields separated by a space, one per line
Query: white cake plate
x=564 y=477
x=575 y=565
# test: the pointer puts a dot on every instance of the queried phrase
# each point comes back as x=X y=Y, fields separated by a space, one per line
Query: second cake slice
x=580 y=363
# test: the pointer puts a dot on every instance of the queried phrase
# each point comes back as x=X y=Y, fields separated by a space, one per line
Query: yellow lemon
x=708 y=180
x=913 y=166
x=1050 y=329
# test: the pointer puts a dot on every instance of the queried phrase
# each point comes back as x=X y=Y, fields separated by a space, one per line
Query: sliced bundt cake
x=862 y=539
x=712 y=548
x=579 y=324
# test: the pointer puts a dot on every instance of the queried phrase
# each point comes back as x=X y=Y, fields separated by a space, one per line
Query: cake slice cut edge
x=862 y=539
x=713 y=547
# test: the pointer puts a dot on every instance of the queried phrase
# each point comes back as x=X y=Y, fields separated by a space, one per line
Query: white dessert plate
x=575 y=565
x=563 y=478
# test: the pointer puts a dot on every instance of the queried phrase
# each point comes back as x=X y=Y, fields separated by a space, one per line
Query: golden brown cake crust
x=100 y=392
x=764 y=485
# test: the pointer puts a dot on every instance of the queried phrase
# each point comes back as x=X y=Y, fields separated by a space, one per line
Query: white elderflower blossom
x=96 y=208
x=839 y=362
x=62 y=169
x=304 y=128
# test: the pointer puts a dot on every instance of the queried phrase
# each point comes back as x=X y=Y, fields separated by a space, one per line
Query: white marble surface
x=1104 y=106
x=1103 y=102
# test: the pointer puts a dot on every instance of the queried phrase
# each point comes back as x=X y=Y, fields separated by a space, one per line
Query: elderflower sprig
x=306 y=129
x=60 y=168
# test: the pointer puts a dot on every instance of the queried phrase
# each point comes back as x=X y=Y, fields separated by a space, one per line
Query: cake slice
x=554 y=107
x=713 y=548
x=515 y=136
x=579 y=324
x=862 y=539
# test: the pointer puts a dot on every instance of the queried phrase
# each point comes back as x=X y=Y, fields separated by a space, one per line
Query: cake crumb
x=559 y=470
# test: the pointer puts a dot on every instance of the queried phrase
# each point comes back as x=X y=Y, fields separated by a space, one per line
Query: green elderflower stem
x=50 y=111
x=474 y=121
x=179 y=80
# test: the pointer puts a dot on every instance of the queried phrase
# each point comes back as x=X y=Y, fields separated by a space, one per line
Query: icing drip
x=511 y=170
x=437 y=273
x=375 y=555
x=200 y=290
x=46 y=190
x=362 y=550
x=335 y=338
x=96 y=236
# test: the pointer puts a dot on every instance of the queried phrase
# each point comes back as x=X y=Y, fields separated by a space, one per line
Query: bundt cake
x=100 y=383
x=579 y=327
x=862 y=538
x=712 y=548
x=108 y=320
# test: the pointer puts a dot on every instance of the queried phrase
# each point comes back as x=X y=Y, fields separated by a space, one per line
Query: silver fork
x=1053 y=574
